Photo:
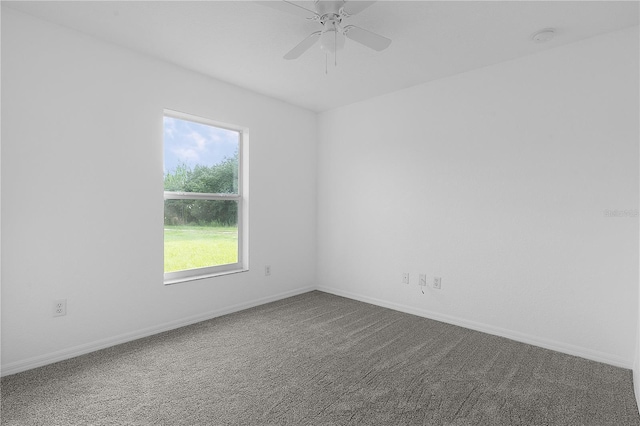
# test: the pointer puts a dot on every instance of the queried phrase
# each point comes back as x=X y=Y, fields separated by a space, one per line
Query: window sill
x=204 y=276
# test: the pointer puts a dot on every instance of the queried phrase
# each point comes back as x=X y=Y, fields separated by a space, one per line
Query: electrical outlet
x=405 y=278
x=60 y=307
x=267 y=270
x=423 y=280
x=437 y=283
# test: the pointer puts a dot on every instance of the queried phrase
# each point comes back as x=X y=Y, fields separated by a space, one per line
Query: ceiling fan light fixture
x=331 y=41
x=329 y=14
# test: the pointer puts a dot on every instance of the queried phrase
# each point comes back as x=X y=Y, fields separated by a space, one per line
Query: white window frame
x=242 y=264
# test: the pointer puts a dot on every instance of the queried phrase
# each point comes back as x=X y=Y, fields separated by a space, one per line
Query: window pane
x=200 y=233
x=200 y=157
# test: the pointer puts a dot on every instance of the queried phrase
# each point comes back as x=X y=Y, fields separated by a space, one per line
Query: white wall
x=496 y=180
x=82 y=206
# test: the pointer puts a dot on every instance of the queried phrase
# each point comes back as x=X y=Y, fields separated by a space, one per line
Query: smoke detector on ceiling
x=544 y=35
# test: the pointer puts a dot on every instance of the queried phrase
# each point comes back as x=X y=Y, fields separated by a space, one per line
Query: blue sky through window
x=194 y=143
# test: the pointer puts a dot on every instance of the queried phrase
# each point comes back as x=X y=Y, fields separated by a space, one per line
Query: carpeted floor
x=319 y=359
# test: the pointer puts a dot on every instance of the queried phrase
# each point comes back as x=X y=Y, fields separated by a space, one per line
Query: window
x=203 y=201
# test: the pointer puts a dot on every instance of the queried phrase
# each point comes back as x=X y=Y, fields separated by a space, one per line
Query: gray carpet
x=319 y=359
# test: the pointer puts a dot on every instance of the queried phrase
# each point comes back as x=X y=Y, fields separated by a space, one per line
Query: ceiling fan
x=330 y=14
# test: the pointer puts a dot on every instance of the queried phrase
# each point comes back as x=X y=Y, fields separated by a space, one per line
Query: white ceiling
x=242 y=42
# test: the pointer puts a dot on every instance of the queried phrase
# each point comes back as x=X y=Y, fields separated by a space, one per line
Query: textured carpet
x=319 y=359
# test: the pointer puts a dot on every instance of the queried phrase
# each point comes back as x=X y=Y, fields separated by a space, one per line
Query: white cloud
x=199 y=141
x=214 y=134
x=169 y=127
x=194 y=143
x=186 y=155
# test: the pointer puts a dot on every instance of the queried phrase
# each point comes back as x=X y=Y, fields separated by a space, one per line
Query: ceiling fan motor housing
x=328 y=7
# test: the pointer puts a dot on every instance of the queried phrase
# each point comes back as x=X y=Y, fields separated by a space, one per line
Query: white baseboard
x=636 y=370
x=489 y=329
x=636 y=385
x=50 y=358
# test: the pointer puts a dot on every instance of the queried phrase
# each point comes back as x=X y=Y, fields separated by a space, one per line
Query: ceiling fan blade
x=352 y=7
x=367 y=38
x=303 y=46
x=289 y=7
